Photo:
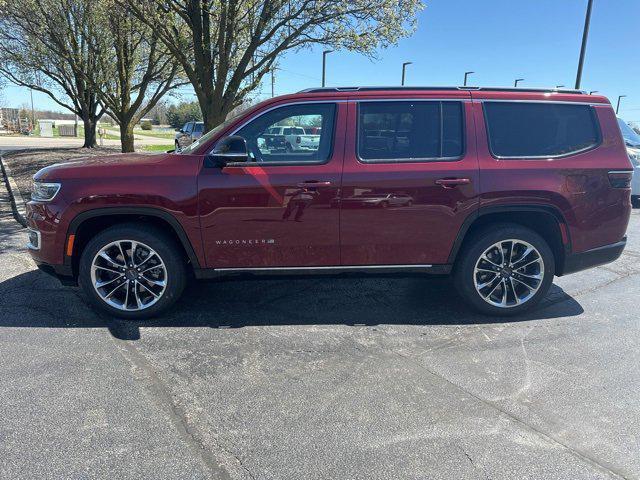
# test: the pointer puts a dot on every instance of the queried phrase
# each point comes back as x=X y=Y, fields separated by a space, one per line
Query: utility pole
x=273 y=82
x=324 y=64
x=518 y=80
x=33 y=113
x=404 y=67
x=620 y=97
x=583 y=48
x=466 y=74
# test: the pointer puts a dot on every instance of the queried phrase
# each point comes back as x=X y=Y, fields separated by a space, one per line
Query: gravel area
x=24 y=164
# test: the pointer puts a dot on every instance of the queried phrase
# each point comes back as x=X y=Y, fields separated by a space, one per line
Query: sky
x=500 y=40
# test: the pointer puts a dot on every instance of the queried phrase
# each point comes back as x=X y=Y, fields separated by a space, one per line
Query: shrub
x=146 y=125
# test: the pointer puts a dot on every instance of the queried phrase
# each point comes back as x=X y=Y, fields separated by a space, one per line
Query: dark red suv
x=503 y=188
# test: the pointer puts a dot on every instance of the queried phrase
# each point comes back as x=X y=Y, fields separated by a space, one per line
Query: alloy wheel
x=128 y=275
x=508 y=273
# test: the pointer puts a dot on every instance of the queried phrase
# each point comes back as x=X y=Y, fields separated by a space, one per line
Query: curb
x=15 y=197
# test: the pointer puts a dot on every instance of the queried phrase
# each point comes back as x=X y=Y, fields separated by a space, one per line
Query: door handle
x=452 y=182
x=314 y=183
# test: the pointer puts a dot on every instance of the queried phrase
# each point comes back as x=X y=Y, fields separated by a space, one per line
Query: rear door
x=275 y=211
x=421 y=150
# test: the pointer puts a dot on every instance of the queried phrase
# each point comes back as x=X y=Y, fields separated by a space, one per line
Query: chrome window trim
x=541 y=157
x=283 y=164
x=413 y=159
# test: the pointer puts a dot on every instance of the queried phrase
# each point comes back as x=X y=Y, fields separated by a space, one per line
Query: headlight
x=44 y=192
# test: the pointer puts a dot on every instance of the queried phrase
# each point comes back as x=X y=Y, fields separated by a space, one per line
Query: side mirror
x=229 y=149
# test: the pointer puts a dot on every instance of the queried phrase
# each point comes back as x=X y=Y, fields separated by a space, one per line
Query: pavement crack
x=578 y=453
x=164 y=400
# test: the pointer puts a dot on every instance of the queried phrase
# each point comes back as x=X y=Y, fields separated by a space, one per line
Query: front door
x=410 y=179
x=276 y=210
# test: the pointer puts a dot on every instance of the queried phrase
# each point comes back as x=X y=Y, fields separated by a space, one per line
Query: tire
x=146 y=294
x=523 y=290
x=635 y=201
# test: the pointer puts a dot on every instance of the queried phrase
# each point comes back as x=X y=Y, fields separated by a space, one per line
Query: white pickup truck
x=291 y=139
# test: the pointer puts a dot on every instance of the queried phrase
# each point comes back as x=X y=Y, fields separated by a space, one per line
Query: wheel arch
x=88 y=223
x=547 y=221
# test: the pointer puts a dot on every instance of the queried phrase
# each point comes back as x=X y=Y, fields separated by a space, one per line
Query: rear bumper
x=576 y=262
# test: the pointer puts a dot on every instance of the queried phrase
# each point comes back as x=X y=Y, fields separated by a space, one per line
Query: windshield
x=629 y=135
x=205 y=138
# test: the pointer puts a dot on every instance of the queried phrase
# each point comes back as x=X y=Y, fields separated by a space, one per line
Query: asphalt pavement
x=320 y=379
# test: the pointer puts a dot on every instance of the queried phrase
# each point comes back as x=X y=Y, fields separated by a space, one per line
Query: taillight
x=620 y=178
x=298 y=139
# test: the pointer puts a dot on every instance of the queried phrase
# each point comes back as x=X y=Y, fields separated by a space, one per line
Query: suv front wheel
x=505 y=270
x=132 y=271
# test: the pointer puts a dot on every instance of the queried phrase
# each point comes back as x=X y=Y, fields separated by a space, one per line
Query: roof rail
x=482 y=89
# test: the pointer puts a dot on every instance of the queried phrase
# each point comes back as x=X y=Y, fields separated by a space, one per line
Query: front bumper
x=576 y=262
x=64 y=273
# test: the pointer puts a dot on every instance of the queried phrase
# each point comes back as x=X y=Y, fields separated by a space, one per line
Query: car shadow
x=35 y=300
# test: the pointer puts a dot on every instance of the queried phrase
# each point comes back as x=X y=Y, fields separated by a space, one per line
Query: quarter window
x=518 y=129
x=409 y=131
x=279 y=136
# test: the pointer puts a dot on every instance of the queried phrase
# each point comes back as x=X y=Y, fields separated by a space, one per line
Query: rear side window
x=410 y=131
x=518 y=129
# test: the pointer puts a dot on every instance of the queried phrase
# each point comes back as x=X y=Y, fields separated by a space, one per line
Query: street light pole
x=583 y=48
x=620 y=97
x=404 y=67
x=593 y=91
x=324 y=64
x=466 y=74
x=518 y=80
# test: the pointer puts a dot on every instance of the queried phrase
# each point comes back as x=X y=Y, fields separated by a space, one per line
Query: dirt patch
x=24 y=164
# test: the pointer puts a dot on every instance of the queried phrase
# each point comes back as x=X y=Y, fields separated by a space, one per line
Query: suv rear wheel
x=132 y=271
x=505 y=270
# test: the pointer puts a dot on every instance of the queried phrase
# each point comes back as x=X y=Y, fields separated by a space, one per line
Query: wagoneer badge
x=263 y=241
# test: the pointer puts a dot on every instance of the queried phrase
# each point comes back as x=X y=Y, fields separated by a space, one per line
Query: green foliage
x=183 y=112
x=146 y=125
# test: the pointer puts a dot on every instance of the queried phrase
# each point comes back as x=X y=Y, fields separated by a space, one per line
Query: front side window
x=409 y=131
x=278 y=136
x=518 y=129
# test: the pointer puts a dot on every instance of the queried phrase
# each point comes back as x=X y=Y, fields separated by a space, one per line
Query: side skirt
x=398 y=270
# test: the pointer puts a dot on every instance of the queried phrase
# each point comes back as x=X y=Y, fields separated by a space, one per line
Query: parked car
x=632 y=141
x=188 y=134
x=374 y=200
x=509 y=188
x=290 y=139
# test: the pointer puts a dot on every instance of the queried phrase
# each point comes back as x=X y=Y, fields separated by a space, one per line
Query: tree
x=181 y=113
x=225 y=47
x=135 y=68
x=43 y=47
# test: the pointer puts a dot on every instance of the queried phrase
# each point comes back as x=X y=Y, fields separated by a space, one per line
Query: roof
x=412 y=88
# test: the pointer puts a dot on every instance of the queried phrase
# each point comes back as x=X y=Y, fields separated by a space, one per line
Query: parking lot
x=320 y=378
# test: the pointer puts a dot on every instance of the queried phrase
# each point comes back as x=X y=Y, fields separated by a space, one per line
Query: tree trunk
x=211 y=115
x=89 y=133
x=126 y=137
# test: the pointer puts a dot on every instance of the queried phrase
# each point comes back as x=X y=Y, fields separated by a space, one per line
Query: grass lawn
x=151 y=133
x=156 y=148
